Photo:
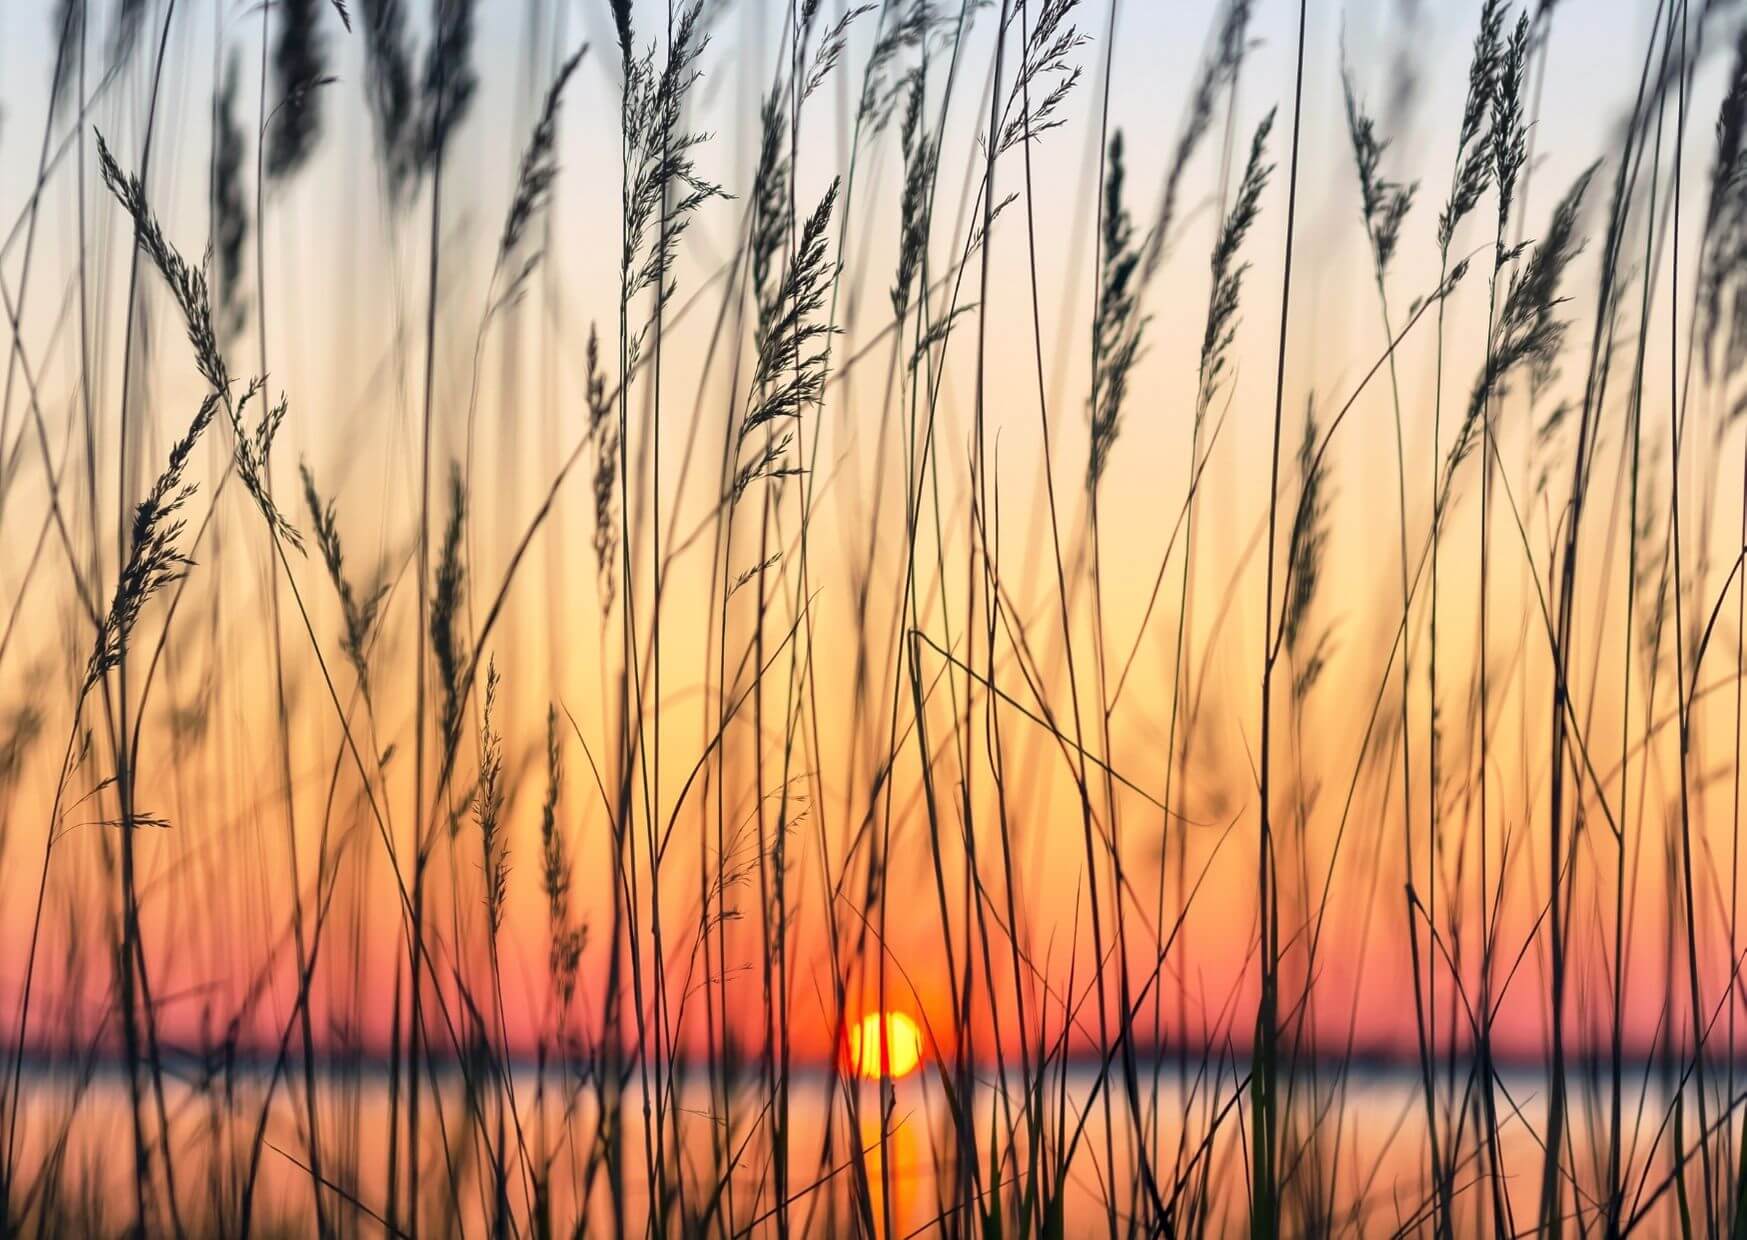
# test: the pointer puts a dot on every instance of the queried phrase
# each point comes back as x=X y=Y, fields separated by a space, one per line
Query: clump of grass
x=69 y=27
x=1384 y=202
x=251 y=449
x=1529 y=331
x=1650 y=558
x=1228 y=273
x=488 y=806
x=300 y=72
x=129 y=22
x=1508 y=138
x=534 y=180
x=603 y=435
x=1305 y=556
x=448 y=598
x=663 y=188
x=156 y=558
x=833 y=41
x=1047 y=71
x=449 y=80
x=789 y=374
x=230 y=209
x=188 y=285
x=772 y=211
x=920 y=159
x=622 y=27
x=1471 y=172
x=1119 y=323
x=389 y=89
x=360 y=609
x=1725 y=225
x=566 y=939
x=1218 y=72
x=254 y=453
x=912 y=27
x=18 y=737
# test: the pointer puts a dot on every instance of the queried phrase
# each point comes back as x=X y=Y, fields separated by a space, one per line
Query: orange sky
x=346 y=290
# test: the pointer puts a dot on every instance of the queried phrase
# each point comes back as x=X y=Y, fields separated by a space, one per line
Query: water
x=1354 y=1154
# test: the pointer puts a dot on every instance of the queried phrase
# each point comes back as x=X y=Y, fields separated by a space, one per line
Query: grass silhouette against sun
x=833 y=576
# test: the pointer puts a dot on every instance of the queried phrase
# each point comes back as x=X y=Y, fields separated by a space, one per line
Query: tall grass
x=1244 y=670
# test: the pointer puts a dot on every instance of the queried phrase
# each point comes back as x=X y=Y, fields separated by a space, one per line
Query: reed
x=798 y=524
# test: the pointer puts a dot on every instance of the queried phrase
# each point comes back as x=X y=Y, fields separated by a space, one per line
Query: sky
x=346 y=289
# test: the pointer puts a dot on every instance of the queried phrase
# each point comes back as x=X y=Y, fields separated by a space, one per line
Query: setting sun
x=894 y=1038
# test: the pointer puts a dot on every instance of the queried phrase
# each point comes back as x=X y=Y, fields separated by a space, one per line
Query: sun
x=892 y=1038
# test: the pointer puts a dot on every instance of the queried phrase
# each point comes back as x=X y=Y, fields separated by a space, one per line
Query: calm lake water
x=1357 y=1151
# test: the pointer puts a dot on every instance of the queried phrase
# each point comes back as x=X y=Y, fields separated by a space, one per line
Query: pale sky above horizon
x=342 y=277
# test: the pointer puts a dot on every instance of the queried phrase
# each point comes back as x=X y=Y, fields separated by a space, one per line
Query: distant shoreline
x=183 y=1064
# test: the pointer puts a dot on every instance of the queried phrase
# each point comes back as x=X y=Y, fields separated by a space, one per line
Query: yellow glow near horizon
x=892 y=1037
